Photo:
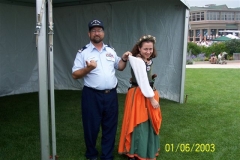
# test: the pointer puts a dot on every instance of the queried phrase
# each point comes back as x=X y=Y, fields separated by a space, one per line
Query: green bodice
x=148 y=70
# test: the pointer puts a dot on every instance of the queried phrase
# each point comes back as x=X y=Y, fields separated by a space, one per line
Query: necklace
x=148 y=62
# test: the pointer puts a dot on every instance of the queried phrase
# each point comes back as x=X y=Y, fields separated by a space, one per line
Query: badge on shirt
x=92 y=58
x=148 y=68
x=110 y=57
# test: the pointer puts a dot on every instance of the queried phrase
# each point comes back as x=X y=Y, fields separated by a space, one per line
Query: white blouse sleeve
x=139 y=69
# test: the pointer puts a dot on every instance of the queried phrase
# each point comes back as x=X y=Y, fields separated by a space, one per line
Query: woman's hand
x=154 y=102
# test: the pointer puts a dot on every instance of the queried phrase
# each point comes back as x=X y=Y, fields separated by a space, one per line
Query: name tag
x=110 y=57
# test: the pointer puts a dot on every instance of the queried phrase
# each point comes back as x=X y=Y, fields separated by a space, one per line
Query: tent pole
x=51 y=64
x=184 y=55
x=42 y=69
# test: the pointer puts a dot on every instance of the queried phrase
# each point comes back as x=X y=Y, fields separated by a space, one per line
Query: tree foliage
x=233 y=46
x=219 y=47
x=193 y=48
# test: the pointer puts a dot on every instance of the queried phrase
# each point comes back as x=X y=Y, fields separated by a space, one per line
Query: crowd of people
x=96 y=64
x=206 y=43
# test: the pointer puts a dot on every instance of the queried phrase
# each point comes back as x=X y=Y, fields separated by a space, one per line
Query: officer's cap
x=95 y=23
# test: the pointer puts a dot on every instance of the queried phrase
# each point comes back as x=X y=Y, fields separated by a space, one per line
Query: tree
x=194 y=48
x=219 y=47
x=233 y=46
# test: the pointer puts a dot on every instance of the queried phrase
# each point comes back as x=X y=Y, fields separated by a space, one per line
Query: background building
x=211 y=21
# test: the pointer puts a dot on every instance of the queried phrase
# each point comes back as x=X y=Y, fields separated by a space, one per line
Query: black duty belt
x=102 y=91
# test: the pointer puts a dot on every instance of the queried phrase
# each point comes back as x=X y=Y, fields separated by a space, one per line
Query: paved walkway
x=230 y=64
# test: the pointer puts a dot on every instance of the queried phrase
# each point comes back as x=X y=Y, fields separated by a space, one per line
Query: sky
x=202 y=3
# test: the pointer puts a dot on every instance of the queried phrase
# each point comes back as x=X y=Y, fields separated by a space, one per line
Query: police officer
x=96 y=63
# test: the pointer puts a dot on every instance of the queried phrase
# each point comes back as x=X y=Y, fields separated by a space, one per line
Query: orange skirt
x=138 y=109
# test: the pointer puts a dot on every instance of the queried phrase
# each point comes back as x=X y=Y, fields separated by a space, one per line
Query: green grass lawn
x=206 y=127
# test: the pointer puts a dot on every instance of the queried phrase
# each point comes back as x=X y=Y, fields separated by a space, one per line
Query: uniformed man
x=96 y=63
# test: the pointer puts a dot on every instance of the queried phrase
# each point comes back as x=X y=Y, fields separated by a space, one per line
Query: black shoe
x=131 y=158
x=92 y=159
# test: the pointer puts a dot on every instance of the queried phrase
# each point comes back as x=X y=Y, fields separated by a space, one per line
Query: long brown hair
x=145 y=38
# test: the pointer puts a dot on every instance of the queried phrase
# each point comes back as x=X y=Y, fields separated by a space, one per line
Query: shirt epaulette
x=80 y=50
x=110 y=46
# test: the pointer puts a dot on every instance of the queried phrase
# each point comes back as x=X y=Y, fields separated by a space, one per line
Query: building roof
x=213 y=7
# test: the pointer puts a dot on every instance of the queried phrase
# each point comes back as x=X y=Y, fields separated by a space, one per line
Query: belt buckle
x=107 y=91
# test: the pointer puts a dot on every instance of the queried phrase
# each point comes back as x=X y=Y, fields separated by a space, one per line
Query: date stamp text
x=195 y=147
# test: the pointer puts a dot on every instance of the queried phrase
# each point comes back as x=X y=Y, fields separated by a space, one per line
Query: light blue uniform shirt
x=103 y=76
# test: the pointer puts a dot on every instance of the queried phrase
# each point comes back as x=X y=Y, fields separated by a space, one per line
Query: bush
x=219 y=47
x=193 y=48
x=199 y=57
x=229 y=57
x=216 y=47
x=189 y=62
x=189 y=59
x=233 y=46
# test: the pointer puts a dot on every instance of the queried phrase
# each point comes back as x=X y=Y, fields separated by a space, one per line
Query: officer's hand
x=91 y=64
x=125 y=55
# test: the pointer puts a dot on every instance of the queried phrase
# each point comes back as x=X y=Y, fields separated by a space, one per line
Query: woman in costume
x=139 y=138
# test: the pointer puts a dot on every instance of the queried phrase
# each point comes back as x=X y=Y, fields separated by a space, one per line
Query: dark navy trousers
x=99 y=109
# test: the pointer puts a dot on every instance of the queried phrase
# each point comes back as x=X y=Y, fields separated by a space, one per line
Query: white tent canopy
x=232 y=36
x=125 y=22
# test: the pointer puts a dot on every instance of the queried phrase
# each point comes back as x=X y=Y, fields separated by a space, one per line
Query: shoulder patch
x=110 y=46
x=80 y=50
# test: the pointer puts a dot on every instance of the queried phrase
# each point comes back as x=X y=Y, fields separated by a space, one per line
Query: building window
x=227 y=16
x=198 y=33
x=213 y=32
x=205 y=32
x=202 y=16
x=213 y=16
x=223 y=16
x=218 y=15
x=191 y=33
x=230 y=16
x=237 y=16
x=198 y=16
x=220 y=33
x=193 y=17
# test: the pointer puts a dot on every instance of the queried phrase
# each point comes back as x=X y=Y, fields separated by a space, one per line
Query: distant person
x=224 y=58
x=220 y=58
x=213 y=58
x=224 y=54
x=96 y=64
